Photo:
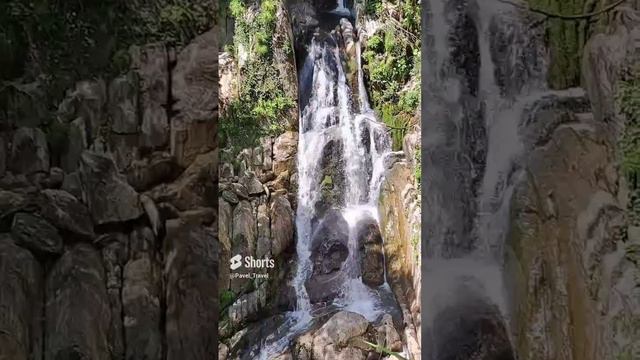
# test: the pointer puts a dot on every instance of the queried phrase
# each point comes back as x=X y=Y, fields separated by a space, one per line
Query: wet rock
x=77 y=310
x=147 y=173
x=335 y=339
x=282 y=224
x=329 y=250
x=29 y=151
x=248 y=306
x=65 y=212
x=150 y=63
x=469 y=328
x=21 y=302
x=194 y=188
x=191 y=297
x=333 y=183
x=387 y=335
x=36 y=234
x=371 y=252
x=123 y=104
x=285 y=148
x=109 y=197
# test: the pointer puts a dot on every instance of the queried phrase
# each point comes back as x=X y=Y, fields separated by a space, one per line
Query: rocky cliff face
x=108 y=215
x=571 y=230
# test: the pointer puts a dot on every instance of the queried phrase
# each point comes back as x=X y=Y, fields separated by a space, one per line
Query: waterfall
x=485 y=71
x=333 y=113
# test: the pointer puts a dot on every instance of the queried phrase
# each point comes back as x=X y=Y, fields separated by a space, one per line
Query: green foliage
x=391 y=60
x=226 y=299
x=628 y=100
x=60 y=42
x=384 y=350
x=261 y=104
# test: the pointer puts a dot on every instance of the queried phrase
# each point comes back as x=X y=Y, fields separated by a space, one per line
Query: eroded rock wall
x=108 y=215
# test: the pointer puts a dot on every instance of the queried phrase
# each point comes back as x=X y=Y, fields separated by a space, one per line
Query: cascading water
x=476 y=98
x=333 y=113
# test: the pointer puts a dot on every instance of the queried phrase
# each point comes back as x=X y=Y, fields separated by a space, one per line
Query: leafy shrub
x=628 y=100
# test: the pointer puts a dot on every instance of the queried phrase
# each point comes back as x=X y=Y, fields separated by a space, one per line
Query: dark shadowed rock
x=141 y=298
x=191 y=295
x=29 y=151
x=114 y=249
x=77 y=311
x=243 y=242
x=329 y=251
x=36 y=234
x=65 y=212
x=147 y=173
x=371 y=252
x=20 y=301
x=150 y=63
x=123 y=104
x=194 y=188
x=109 y=197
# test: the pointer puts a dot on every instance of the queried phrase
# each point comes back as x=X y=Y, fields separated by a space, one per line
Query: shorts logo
x=236 y=262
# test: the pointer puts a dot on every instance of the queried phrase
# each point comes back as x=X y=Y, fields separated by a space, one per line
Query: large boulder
x=110 y=198
x=285 y=148
x=191 y=292
x=329 y=251
x=21 y=302
x=282 y=224
x=194 y=188
x=371 y=253
x=194 y=88
x=36 y=234
x=339 y=338
x=87 y=103
x=77 y=311
x=149 y=172
x=29 y=151
x=151 y=65
x=65 y=212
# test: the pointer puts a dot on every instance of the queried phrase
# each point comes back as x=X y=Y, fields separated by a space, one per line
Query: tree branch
x=567 y=17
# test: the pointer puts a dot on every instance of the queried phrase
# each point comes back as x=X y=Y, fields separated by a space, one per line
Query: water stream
x=334 y=113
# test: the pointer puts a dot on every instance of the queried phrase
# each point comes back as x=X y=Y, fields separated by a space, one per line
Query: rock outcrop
x=107 y=228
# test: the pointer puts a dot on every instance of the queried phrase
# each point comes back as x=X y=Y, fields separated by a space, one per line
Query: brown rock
x=194 y=188
x=77 y=311
x=371 y=252
x=285 y=149
x=110 y=198
x=191 y=297
x=282 y=224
